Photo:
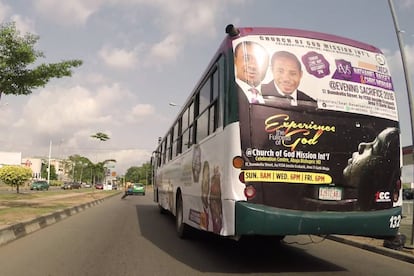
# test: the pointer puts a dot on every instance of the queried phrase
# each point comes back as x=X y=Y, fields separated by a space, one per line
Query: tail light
x=397 y=189
x=398 y=184
x=238 y=162
x=250 y=192
x=241 y=177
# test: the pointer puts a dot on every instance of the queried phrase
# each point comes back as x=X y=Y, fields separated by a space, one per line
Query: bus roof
x=245 y=31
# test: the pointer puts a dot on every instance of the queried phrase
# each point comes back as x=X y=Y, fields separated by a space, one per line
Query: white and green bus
x=287 y=132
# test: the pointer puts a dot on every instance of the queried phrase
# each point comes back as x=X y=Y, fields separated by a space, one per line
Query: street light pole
x=73 y=170
x=48 y=165
x=408 y=85
x=80 y=178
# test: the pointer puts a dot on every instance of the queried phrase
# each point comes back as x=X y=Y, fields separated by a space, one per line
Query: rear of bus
x=323 y=156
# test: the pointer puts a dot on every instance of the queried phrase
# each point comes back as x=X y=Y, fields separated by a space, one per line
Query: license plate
x=330 y=193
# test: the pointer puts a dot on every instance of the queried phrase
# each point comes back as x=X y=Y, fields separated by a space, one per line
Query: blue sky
x=140 y=55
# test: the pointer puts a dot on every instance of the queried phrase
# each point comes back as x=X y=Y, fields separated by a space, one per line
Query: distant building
x=61 y=170
x=10 y=158
x=15 y=158
x=35 y=164
x=407 y=174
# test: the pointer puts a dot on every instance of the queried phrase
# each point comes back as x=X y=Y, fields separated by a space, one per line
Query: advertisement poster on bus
x=320 y=113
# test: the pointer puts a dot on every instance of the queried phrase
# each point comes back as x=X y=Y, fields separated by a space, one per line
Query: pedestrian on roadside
x=126 y=191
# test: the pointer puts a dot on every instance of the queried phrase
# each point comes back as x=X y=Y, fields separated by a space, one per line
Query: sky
x=141 y=55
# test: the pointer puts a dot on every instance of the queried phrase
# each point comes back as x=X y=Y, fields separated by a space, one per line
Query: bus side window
x=213 y=124
x=174 y=140
x=179 y=137
x=216 y=112
x=186 y=139
x=169 y=145
x=202 y=126
x=164 y=151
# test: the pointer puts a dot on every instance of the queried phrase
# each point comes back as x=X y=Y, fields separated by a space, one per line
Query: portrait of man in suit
x=251 y=62
x=287 y=74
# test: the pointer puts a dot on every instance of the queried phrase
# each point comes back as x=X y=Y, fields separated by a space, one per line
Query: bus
x=287 y=132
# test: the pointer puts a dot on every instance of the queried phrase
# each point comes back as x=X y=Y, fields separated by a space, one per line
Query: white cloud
x=54 y=110
x=24 y=25
x=409 y=54
x=119 y=58
x=190 y=17
x=140 y=112
x=73 y=12
x=91 y=78
x=4 y=11
x=166 y=50
x=6 y=113
x=63 y=110
x=395 y=60
x=179 y=21
x=124 y=158
x=407 y=3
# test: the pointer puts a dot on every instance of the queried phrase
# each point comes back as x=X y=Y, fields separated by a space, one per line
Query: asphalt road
x=131 y=237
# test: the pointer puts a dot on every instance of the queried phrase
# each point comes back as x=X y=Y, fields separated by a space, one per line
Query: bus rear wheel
x=183 y=230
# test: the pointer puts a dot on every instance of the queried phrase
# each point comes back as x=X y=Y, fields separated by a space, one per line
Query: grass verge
x=15 y=208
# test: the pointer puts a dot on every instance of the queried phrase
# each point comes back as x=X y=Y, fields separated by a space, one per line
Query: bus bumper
x=256 y=219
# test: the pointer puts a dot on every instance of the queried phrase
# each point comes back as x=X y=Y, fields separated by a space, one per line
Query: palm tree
x=101 y=136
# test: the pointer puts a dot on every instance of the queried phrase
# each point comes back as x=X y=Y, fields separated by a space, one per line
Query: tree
x=44 y=174
x=18 y=75
x=14 y=175
x=139 y=174
x=81 y=168
x=132 y=174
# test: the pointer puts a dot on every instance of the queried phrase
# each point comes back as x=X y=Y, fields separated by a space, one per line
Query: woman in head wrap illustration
x=375 y=170
x=205 y=190
x=215 y=201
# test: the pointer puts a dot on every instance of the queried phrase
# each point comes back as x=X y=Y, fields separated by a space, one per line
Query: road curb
x=19 y=230
x=396 y=254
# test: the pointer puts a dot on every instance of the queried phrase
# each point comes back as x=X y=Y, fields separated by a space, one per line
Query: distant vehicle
x=138 y=188
x=99 y=186
x=87 y=185
x=408 y=193
x=71 y=185
x=39 y=185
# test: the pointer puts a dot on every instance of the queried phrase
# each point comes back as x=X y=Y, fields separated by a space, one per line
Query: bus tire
x=183 y=230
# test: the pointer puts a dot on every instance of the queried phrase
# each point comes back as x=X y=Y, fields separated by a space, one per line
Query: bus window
x=191 y=133
x=169 y=145
x=215 y=81
x=185 y=120
x=163 y=151
x=179 y=136
x=191 y=113
x=186 y=139
x=174 y=140
x=213 y=124
x=205 y=95
x=202 y=126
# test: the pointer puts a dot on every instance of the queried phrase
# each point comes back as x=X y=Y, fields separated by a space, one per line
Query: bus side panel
x=167 y=179
x=208 y=183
